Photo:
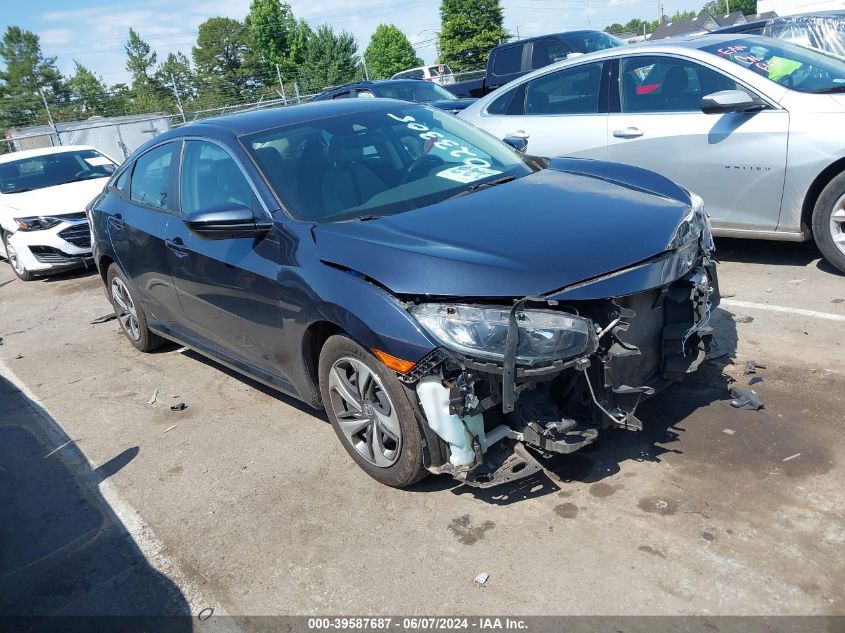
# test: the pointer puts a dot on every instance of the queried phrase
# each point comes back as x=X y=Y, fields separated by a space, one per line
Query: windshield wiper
x=829 y=90
x=482 y=185
x=20 y=190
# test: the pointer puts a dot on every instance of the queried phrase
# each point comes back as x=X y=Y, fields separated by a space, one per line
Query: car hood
x=527 y=237
x=452 y=105
x=61 y=199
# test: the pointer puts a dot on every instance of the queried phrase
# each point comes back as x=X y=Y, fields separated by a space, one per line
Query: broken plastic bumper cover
x=608 y=355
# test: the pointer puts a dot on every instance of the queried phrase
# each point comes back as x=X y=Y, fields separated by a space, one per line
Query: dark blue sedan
x=413 y=90
x=448 y=300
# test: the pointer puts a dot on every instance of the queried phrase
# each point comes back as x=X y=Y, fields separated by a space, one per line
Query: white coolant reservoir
x=435 y=403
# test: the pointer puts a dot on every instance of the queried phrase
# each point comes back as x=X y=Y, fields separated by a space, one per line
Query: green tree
x=227 y=67
x=299 y=43
x=720 y=7
x=26 y=75
x=388 y=52
x=330 y=59
x=140 y=58
x=614 y=28
x=469 y=29
x=272 y=28
x=88 y=92
x=177 y=68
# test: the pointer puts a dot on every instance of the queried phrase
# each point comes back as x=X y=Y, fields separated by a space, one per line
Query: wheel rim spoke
x=126 y=314
x=364 y=414
x=837 y=224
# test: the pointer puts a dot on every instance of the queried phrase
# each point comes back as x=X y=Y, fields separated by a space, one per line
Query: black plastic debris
x=745 y=399
x=755 y=379
x=104 y=319
x=745 y=319
x=751 y=367
x=179 y=407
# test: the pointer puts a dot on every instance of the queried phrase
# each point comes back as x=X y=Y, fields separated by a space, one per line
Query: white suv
x=43 y=194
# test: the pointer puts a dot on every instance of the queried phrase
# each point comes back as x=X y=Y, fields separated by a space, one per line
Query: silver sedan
x=756 y=126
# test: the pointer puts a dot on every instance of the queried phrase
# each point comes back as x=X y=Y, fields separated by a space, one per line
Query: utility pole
x=281 y=85
x=589 y=26
x=727 y=6
x=178 y=98
x=49 y=115
x=296 y=90
x=366 y=71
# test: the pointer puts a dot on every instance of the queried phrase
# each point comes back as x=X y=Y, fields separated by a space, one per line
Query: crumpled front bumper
x=644 y=341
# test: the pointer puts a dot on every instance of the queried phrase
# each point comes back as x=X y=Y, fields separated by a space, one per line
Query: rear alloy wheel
x=130 y=313
x=829 y=222
x=370 y=413
x=15 y=261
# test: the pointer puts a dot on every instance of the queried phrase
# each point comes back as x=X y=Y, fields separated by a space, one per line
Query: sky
x=94 y=31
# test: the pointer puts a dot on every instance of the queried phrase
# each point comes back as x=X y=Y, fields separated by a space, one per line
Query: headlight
x=37 y=223
x=694 y=227
x=480 y=331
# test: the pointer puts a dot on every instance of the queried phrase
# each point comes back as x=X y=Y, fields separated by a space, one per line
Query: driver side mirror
x=224 y=222
x=519 y=143
x=729 y=101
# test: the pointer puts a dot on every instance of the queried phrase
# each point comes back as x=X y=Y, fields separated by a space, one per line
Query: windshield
x=416 y=91
x=381 y=160
x=49 y=170
x=789 y=65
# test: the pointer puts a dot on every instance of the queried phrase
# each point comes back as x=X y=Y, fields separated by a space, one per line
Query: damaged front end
x=546 y=373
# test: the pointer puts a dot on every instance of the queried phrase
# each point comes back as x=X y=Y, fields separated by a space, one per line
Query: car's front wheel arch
x=822 y=180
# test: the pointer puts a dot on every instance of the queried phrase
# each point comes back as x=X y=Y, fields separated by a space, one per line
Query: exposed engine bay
x=495 y=415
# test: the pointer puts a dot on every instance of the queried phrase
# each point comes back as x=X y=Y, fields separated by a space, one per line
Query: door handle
x=177 y=246
x=628 y=132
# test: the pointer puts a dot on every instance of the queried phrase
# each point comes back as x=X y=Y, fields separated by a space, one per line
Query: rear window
x=547 y=52
x=592 y=41
x=507 y=61
x=789 y=65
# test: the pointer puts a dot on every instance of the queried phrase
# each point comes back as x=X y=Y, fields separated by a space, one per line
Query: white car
x=439 y=74
x=754 y=125
x=43 y=194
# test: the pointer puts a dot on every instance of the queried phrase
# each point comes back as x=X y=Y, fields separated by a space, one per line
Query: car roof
x=257 y=120
x=43 y=151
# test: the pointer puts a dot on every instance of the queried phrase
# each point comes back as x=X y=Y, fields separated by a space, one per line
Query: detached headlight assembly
x=694 y=227
x=38 y=223
x=480 y=331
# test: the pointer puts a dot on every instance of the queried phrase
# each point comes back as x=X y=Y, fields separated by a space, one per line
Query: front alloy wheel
x=370 y=412
x=829 y=222
x=15 y=261
x=364 y=412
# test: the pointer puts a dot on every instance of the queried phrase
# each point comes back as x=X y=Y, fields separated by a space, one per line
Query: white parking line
x=783 y=309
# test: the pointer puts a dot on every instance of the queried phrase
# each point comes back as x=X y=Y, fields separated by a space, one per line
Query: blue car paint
x=252 y=303
x=526 y=237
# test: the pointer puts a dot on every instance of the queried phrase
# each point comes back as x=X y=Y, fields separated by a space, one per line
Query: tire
x=130 y=312
x=376 y=424
x=17 y=266
x=829 y=222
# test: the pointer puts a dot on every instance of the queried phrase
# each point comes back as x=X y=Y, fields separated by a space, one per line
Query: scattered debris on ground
x=181 y=406
x=728 y=431
x=19 y=356
x=745 y=319
x=482 y=578
x=153 y=397
x=786 y=459
x=755 y=379
x=745 y=399
x=104 y=319
x=751 y=367
x=170 y=428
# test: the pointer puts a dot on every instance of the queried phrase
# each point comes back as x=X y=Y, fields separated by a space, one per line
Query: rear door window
x=508 y=60
x=150 y=184
x=573 y=90
x=547 y=52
